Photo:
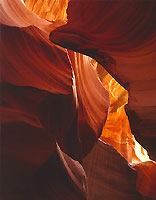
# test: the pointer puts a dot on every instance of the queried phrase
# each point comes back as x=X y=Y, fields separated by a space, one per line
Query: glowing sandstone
x=30 y=80
x=50 y=10
x=120 y=35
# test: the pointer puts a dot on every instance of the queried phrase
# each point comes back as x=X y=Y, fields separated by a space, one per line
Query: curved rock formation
x=43 y=110
x=53 y=105
x=121 y=36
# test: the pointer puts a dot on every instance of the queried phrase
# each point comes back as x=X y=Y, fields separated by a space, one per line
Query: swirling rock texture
x=54 y=106
x=43 y=116
x=121 y=36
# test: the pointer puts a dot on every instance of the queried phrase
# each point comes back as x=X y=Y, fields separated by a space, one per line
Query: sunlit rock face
x=54 y=107
x=121 y=36
x=50 y=10
x=117 y=130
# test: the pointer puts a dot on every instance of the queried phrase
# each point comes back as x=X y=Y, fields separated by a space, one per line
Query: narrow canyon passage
x=78 y=99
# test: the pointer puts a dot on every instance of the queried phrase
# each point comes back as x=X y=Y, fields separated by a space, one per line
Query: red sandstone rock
x=33 y=70
x=40 y=106
x=109 y=175
x=120 y=35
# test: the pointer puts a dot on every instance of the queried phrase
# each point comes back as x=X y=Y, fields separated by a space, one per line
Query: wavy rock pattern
x=44 y=115
x=121 y=36
x=53 y=106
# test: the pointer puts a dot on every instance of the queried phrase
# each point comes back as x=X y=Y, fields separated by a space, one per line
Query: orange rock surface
x=51 y=10
x=83 y=85
x=117 y=132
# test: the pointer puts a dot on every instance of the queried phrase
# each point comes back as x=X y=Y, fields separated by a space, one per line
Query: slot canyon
x=78 y=99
